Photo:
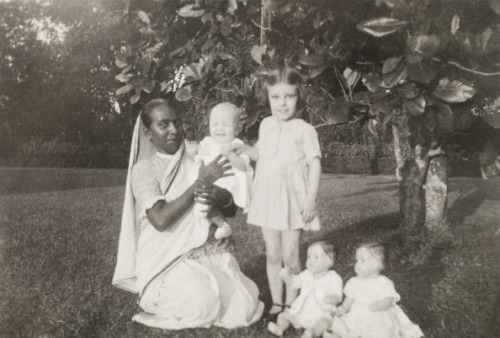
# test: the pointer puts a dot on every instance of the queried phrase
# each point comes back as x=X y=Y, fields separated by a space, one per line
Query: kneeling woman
x=183 y=276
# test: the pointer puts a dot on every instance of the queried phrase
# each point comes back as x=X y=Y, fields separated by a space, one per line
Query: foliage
x=55 y=65
x=209 y=51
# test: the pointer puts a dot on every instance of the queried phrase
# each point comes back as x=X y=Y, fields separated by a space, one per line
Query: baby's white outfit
x=361 y=322
x=310 y=305
x=239 y=184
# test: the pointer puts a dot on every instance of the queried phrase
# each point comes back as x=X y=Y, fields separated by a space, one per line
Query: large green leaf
x=415 y=106
x=125 y=89
x=408 y=90
x=191 y=11
x=257 y=52
x=144 y=17
x=339 y=112
x=390 y=64
x=134 y=98
x=395 y=3
x=444 y=117
x=395 y=77
x=184 y=94
x=381 y=26
x=385 y=106
x=453 y=91
x=373 y=82
x=455 y=24
x=495 y=6
x=426 y=44
x=145 y=64
x=312 y=60
x=351 y=77
x=421 y=71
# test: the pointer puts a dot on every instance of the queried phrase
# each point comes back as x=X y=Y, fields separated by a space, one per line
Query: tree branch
x=459 y=66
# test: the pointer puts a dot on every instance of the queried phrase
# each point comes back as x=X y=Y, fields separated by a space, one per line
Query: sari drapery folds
x=177 y=288
x=178 y=241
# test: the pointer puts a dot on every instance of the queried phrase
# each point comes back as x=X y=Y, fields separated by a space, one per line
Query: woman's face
x=165 y=131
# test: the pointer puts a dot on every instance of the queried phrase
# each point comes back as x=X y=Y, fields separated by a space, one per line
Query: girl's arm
x=382 y=304
x=237 y=161
x=309 y=210
x=244 y=149
x=345 y=307
x=164 y=214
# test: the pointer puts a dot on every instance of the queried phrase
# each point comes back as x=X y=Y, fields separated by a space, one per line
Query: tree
x=404 y=71
x=56 y=61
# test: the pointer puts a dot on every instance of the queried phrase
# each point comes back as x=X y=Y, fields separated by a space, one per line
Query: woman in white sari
x=183 y=277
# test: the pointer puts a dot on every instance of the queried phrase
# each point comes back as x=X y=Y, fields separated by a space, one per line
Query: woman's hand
x=206 y=195
x=309 y=211
x=216 y=169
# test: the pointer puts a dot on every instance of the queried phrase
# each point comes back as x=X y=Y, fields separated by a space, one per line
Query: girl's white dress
x=280 y=184
x=361 y=322
x=310 y=305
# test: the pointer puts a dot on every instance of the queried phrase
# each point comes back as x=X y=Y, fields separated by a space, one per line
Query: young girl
x=369 y=309
x=283 y=198
x=320 y=291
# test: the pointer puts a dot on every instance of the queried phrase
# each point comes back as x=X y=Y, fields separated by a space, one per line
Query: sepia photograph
x=250 y=168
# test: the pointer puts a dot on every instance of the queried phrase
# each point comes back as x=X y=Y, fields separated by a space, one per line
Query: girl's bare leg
x=290 y=241
x=274 y=263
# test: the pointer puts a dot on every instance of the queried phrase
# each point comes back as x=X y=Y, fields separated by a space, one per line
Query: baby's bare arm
x=237 y=161
x=345 y=307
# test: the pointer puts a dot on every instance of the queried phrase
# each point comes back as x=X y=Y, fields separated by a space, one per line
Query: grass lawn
x=59 y=231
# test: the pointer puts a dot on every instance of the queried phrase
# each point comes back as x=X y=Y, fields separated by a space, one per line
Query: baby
x=223 y=127
x=320 y=292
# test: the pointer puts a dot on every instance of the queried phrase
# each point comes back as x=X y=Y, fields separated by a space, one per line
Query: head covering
x=124 y=277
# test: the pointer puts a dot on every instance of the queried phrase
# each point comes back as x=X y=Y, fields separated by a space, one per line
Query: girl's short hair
x=376 y=250
x=288 y=75
x=149 y=107
x=327 y=247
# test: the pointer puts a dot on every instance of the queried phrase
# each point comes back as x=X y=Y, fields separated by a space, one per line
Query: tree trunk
x=410 y=174
x=436 y=193
x=411 y=195
x=265 y=22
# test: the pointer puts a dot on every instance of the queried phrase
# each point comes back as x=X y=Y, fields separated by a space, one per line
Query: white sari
x=176 y=290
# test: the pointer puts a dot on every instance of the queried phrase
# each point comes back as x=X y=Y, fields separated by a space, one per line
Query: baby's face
x=223 y=125
x=367 y=265
x=317 y=260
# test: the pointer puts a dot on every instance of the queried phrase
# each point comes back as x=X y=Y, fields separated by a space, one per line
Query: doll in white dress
x=369 y=309
x=320 y=292
x=223 y=126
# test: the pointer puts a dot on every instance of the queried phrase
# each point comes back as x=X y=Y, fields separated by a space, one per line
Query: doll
x=320 y=291
x=369 y=309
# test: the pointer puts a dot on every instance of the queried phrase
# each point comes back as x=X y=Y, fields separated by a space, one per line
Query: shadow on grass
x=389 y=187
x=36 y=180
x=470 y=200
